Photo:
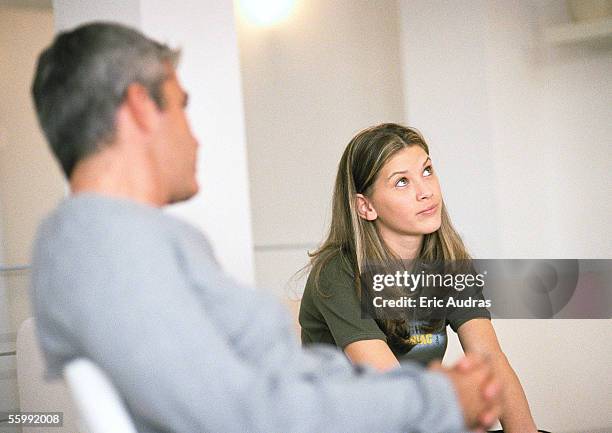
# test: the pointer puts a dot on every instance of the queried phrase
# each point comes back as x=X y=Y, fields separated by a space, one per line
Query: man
x=138 y=292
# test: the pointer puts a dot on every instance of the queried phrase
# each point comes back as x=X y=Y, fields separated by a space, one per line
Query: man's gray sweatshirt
x=139 y=293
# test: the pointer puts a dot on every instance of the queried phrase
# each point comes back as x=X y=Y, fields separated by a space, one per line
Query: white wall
x=30 y=181
x=310 y=83
x=520 y=132
x=574 y=88
x=209 y=70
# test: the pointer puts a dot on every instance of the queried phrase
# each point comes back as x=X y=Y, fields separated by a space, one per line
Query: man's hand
x=477 y=390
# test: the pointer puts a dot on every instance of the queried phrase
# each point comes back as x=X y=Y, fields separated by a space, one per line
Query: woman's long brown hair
x=357 y=240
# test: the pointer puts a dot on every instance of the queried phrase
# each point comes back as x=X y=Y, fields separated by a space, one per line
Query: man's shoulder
x=87 y=224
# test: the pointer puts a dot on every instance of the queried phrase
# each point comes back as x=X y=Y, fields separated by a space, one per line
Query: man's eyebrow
x=406 y=171
x=185 y=99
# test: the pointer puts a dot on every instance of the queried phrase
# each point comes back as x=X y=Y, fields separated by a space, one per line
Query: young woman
x=388 y=207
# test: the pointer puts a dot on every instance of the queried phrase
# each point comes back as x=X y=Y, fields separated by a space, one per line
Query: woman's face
x=406 y=199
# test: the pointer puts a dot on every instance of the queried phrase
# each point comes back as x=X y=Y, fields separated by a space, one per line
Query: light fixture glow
x=266 y=12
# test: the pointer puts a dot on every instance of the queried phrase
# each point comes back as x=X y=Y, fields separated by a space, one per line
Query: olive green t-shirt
x=332 y=315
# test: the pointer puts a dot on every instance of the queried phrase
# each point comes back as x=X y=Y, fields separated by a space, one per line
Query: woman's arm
x=374 y=353
x=478 y=336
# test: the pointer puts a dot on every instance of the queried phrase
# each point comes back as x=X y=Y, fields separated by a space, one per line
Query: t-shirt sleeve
x=460 y=314
x=339 y=304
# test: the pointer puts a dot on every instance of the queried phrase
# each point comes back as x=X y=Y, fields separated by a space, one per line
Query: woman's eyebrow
x=397 y=172
x=406 y=171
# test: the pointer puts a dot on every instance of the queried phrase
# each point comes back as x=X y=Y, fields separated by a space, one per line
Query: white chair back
x=35 y=393
x=98 y=403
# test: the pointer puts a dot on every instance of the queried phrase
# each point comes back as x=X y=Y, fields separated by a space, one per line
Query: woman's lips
x=429 y=211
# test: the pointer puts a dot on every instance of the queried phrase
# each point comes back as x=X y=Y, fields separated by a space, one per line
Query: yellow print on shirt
x=420 y=339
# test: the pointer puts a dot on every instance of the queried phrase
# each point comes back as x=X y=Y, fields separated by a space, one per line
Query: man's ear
x=141 y=107
x=364 y=207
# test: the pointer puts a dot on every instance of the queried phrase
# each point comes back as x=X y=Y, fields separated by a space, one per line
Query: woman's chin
x=431 y=227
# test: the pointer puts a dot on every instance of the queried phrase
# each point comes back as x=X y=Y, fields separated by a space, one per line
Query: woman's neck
x=406 y=247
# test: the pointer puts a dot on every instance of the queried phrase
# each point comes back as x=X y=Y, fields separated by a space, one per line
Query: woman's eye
x=428 y=171
x=402 y=182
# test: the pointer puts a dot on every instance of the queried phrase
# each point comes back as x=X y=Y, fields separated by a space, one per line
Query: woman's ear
x=364 y=208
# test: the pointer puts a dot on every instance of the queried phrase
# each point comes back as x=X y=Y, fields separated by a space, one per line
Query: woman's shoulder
x=334 y=273
x=337 y=269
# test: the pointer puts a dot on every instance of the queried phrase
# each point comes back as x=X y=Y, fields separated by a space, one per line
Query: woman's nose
x=423 y=192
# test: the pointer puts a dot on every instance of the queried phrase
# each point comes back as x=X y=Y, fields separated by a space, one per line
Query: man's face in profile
x=175 y=144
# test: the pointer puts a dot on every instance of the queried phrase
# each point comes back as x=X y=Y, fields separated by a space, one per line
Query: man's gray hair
x=81 y=81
